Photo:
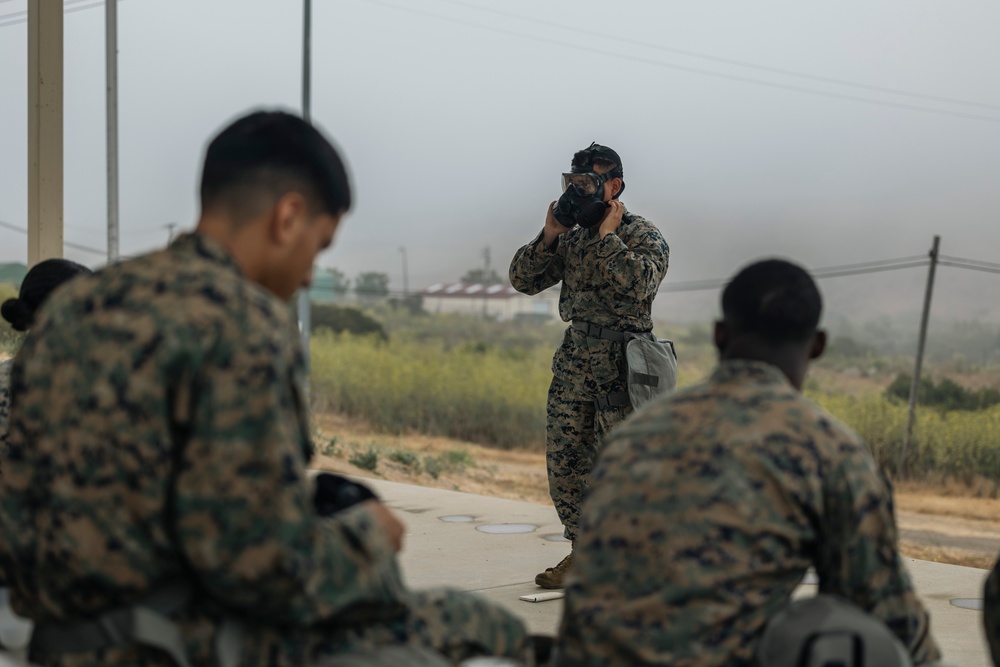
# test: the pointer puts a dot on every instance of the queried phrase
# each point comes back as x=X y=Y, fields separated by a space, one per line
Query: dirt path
x=932 y=526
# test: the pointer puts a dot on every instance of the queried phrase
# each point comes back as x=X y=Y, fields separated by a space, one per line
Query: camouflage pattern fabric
x=574 y=432
x=5 y=367
x=610 y=282
x=705 y=511
x=991 y=612
x=158 y=432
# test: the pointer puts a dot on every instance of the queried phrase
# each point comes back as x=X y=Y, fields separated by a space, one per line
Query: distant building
x=326 y=287
x=13 y=273
x=500 y=302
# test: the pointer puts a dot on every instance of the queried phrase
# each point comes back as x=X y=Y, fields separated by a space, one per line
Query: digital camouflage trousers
x=574 y=431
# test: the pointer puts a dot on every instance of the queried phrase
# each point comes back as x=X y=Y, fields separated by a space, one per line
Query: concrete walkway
x=495 y=547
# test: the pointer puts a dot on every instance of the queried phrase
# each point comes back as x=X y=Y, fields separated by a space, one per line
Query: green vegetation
x=955 y=444
x=946 y=395
x=342 y=318
x=456 y=460
x=475 y=392
x=485 y=382
x=406 y=458
x=10 y=340
x=366 y=460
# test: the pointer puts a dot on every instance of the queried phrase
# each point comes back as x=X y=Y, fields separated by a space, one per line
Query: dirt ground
x=937 y=524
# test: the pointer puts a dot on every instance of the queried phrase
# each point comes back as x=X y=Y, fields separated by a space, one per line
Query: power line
x=970 y=267
x=993 y=265
x=24 y=14
x=68 y=244
x=692 y=70
x=730 y=61
x=839 y=271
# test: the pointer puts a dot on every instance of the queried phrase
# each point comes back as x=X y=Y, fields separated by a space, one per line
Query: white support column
x=45 y=130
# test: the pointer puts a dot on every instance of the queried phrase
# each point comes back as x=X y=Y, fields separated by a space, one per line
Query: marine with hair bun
x=20 y=312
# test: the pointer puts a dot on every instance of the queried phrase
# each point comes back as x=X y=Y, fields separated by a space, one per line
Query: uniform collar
x=745 y=370
x=202 y=246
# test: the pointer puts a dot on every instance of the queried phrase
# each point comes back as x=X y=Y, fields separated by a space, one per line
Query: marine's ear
x=285 y=217
x=818 y=345
x=721 y=335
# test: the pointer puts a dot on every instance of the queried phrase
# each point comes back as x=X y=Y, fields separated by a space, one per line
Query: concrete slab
x=446 y=546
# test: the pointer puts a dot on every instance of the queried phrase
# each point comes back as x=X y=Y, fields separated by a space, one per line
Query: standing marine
x=611 y=263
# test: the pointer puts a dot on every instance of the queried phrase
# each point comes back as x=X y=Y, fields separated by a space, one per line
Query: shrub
x=342 y=318
x=433 y=466
x=945 y=395
x=366 y=460
x=406 y=458
x=457 y=460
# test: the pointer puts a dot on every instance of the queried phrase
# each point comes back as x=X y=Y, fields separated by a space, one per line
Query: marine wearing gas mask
x=582 y=202
x=609 y=262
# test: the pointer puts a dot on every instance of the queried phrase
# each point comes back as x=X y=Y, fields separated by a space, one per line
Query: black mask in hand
x=335 y=493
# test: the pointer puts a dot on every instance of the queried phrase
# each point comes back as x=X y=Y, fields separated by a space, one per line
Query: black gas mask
x=582 y=201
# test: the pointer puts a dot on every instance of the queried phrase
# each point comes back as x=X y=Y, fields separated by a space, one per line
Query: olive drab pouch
x=651 y=367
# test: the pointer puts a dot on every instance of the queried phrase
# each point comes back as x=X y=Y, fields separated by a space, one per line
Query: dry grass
x=517 y=474
x=950 y=555
x=950 y=498
x=944 y=521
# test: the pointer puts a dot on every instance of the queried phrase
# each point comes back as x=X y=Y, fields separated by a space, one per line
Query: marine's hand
x=552 y=227
x=394 y=528
x=613 y=218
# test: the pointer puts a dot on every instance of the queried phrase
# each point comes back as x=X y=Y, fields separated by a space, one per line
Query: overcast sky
x=457 y=116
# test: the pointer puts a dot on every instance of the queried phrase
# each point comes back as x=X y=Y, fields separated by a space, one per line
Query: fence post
x=921 y=341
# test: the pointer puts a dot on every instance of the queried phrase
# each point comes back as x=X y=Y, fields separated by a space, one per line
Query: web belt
x=146 y=622
x=597 y=331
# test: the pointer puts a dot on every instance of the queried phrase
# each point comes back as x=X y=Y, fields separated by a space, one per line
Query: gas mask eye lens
x=586 y=183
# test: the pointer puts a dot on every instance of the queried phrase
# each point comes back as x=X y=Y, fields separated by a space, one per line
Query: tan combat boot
x=553 y=577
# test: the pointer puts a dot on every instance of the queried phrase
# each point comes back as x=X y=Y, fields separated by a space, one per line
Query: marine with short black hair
x=611 y=263
x=706 y=509
x=154 y=506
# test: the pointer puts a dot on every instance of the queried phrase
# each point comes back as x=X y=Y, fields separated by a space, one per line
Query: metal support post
x=111 y=79
x=406 y=277
x=305 y=319
x=921 y=341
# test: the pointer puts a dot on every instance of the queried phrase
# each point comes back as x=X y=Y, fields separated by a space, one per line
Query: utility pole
x=171 y=226
x=305 y=319
x=406 y=276
x=486 y=279
x=921 y=341
x=111 y=81
x=45 y=130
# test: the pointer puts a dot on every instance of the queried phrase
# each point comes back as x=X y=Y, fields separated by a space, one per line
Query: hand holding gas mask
x=583 y=199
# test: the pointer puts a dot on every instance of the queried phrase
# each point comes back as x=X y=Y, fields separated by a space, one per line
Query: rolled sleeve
x=536 y=268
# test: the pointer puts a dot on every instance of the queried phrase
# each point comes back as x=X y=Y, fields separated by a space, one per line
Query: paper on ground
x=543 y=597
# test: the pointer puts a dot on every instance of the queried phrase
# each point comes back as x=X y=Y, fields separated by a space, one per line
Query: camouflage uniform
x=991 y=612
x=610 y=283
x=4 y=395
x=5 y=367
x=159 y=434
x=705 y=511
